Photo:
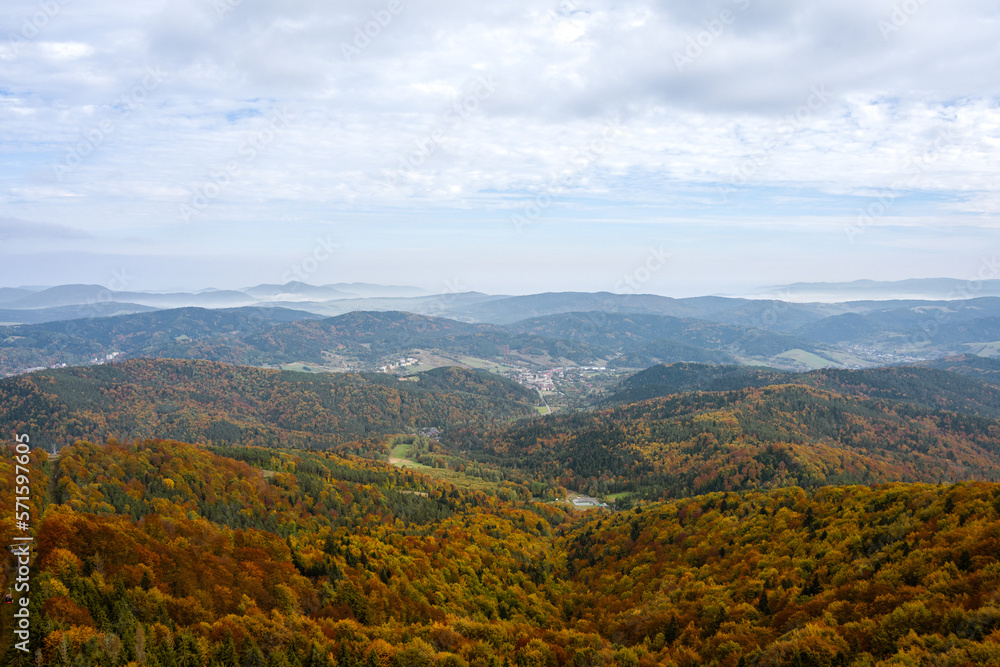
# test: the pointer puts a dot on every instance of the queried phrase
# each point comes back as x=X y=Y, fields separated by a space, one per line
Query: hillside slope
x=751 y=438
x=926 y=387
x=163 y=553
x=202 y=401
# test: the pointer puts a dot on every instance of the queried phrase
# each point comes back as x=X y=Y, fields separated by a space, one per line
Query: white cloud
x=562 y=71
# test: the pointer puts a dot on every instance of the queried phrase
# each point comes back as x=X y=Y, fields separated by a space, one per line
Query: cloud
x=716 y=102
x=14 y=229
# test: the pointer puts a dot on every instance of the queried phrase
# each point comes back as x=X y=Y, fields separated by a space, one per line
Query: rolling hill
x=632 y=333
x=278 y=336
x=745 y=439
x=197 y=333
x=206 y=401
x=984 y=368
x=925 y=387
x=541 y=330
x=162 y=553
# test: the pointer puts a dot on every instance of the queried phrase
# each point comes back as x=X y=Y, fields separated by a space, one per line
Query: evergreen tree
x=252 y=655
x=225 y=654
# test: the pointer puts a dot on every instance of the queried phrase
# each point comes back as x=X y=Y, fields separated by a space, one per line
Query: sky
x=674 y=148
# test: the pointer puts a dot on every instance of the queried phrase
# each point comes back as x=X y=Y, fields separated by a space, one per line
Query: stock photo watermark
x=459 y=111
x=989 y=269
x=120 y=280
x=365 y=33
x=221 y=177
x=303 y=269
x=818 y=98
x=411 y=339
x=33 y=25
x=565 y=8
x=224 y=8
x=713 y=28
x=299 y=271
x=443 y=301
x=913 y=169
x=656 y=259
x=900 y=15
x=22 y=543
x=584 y=157
x=95 y=137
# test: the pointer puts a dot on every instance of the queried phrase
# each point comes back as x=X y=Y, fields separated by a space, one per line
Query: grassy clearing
x=485 y=364
x=991 y=349
x=808 y=359
x=398 y=458
x=430 y=359
x=304 y=368
x=848 y=359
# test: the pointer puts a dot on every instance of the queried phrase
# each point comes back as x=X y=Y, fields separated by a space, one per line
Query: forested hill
x=926 y=387
x=206 y=401
x=268 y=336
x=984 y=368
x=164 y=554
x=746 y=439
x=842 y=576
x=636 y=333
x=371 y=335
x=193 y=333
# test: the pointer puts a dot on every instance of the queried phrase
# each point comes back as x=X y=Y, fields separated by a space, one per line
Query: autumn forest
x=194 y=513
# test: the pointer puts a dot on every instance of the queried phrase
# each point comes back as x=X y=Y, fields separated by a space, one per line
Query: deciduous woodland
x=781 y=524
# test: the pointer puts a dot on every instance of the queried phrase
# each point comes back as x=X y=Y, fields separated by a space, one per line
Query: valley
x=574 y=489
x=499 y=334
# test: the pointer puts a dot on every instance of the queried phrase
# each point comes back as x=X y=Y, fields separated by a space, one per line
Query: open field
x=486 y=364
x=808 y=359
x=991 y=349
x=398 y=458
x=305 y=368
x=848 y=359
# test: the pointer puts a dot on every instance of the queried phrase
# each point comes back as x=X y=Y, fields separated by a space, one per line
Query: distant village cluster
x=882 y=355
x=546 y=380
x=96 y=361
x=402 y=363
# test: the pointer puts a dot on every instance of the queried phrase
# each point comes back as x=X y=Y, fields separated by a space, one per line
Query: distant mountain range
x=367 y=340
x=297 y=322
x=933 y=289
x=364 y=340
x=23 y=305
x=789 y=309
x=204 y=401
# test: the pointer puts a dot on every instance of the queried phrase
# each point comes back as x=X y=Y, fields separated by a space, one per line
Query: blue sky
x=507 y=148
